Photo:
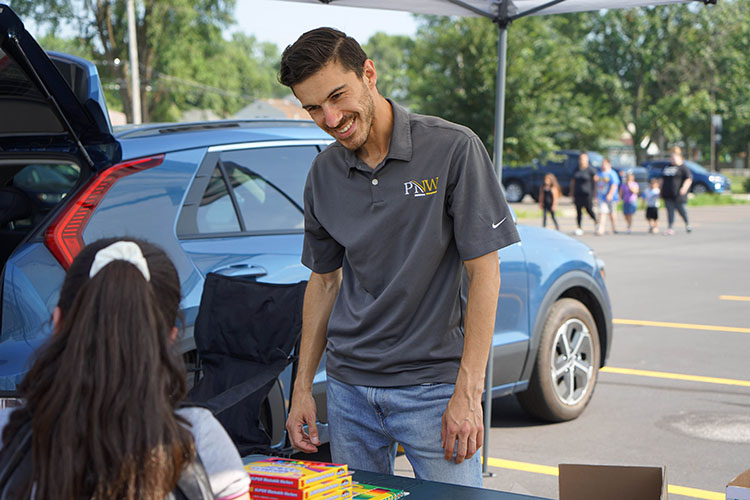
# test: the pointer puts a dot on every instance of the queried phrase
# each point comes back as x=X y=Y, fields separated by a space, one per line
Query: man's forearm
x=479 y=325
x=320 y=296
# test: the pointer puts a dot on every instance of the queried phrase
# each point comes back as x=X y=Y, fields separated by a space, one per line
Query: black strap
x=237 y=393
x=193 y=483
x=15 y=465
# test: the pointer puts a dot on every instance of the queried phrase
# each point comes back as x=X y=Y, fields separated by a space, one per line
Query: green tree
x=184 y=60
x=453 y=70
x=390 y=54
x=649 y=69
x=729 y=30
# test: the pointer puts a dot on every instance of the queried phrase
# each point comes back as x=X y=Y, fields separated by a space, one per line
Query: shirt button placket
x=375 y=190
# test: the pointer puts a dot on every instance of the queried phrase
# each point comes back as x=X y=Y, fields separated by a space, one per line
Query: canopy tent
x=491 y=8
x=502 y=13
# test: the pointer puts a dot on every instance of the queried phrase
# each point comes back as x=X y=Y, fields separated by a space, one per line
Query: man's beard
x=364 y=121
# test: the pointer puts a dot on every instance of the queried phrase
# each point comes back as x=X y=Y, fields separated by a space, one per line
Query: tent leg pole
x=502 y=40
x=487 y=418
x=502 y=49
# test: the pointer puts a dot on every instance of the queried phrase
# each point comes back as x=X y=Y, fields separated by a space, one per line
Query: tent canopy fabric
x=491 y=8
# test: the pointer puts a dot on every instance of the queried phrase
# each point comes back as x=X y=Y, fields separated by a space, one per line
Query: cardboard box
x=613 y=482
x=739 y=487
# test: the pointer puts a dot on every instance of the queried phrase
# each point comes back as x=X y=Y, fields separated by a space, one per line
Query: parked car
x=641 y=175
x=704 y=181
x=520 y=181
x=226 y=197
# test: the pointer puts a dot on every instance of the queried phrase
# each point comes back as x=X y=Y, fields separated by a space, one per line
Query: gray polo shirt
x=401 y=233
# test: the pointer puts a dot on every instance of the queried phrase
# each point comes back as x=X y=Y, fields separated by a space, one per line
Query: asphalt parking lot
x=676 y=391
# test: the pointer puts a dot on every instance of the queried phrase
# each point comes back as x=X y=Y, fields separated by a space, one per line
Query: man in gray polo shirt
x=395 y=211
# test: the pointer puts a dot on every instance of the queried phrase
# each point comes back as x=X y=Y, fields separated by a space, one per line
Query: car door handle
x=242 y=270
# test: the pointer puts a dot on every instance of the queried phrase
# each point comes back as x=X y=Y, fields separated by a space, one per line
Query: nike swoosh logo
x=494 y=226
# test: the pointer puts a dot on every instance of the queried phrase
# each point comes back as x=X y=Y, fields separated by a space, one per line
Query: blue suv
x=226 y=197
x=704 y=181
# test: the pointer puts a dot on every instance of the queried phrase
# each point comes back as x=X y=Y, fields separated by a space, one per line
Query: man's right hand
x=303 y=412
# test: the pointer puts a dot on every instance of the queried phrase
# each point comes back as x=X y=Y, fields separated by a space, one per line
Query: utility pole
x=135 y=76
x=713 y=145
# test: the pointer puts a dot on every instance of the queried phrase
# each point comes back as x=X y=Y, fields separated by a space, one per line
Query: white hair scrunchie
x=129 y=251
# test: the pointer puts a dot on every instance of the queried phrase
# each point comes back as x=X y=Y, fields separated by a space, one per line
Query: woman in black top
x=582 y=190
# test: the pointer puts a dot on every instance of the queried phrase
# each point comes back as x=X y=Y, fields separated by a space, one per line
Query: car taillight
x=64 y=237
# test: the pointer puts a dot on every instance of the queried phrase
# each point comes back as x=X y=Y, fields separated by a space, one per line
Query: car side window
x=262 y=205
x=248 y=190
x=285 y=167
x=216 y=213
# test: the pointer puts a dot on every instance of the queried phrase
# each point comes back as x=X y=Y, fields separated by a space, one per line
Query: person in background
x=607 y=183
x=102 y=398
x=629 y=194
x=549 y=194
x=582 y=187
x=652 y=205
x=676 y=180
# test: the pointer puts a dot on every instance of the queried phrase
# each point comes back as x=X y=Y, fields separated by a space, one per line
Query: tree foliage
x=572 y=80
x=184 y=61
x=390 y=53
x=728 y=27
x=649 y=71
x=453 y=69
x=452 y=72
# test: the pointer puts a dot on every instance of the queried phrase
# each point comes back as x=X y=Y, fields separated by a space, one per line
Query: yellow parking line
x=734 y=297
x=522 y=466
x=695 y=493
x=686 y=326
x=676 y=376
x=553 y=471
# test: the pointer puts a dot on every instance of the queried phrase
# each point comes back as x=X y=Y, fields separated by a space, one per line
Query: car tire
x=569 y=341
x=514 y=192
x=699 y=188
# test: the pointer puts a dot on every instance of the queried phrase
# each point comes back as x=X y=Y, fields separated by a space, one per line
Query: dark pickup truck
x=520 y=181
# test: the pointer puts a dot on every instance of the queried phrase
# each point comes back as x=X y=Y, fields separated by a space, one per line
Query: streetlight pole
x=135 y=77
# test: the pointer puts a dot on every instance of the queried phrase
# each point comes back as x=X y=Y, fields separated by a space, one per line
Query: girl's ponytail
x=103 y=390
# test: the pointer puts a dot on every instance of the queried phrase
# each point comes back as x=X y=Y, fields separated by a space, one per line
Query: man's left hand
x=463 y=427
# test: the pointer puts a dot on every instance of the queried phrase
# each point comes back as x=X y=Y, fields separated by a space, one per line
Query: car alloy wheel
x=566 y=365
x=570 y=362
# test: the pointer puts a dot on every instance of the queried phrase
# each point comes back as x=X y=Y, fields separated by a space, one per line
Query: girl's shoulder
x=218 y=453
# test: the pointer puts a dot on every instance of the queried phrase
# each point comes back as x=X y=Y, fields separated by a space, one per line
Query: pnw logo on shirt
x=425 y=187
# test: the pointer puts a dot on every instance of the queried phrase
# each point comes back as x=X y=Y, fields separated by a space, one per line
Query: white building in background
x=272 y=108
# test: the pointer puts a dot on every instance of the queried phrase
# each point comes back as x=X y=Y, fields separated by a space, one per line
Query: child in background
x=549 y=193
x=652 y=205
x=607 y=184
x=629 y=193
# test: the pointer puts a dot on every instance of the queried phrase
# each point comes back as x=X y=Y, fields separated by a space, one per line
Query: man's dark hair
x=316 y=48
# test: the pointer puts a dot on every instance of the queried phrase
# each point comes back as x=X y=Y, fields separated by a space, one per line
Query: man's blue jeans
x=367 y=423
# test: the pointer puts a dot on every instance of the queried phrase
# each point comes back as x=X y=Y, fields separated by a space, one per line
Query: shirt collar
x=400 y=147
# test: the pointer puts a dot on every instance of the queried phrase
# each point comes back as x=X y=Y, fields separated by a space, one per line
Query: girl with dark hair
x=549 y=194
x=102 y=395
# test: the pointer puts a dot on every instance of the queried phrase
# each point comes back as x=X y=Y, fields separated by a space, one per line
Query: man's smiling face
x=340 y=102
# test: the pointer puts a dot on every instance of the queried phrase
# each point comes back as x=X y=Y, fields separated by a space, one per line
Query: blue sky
x=282 y=22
